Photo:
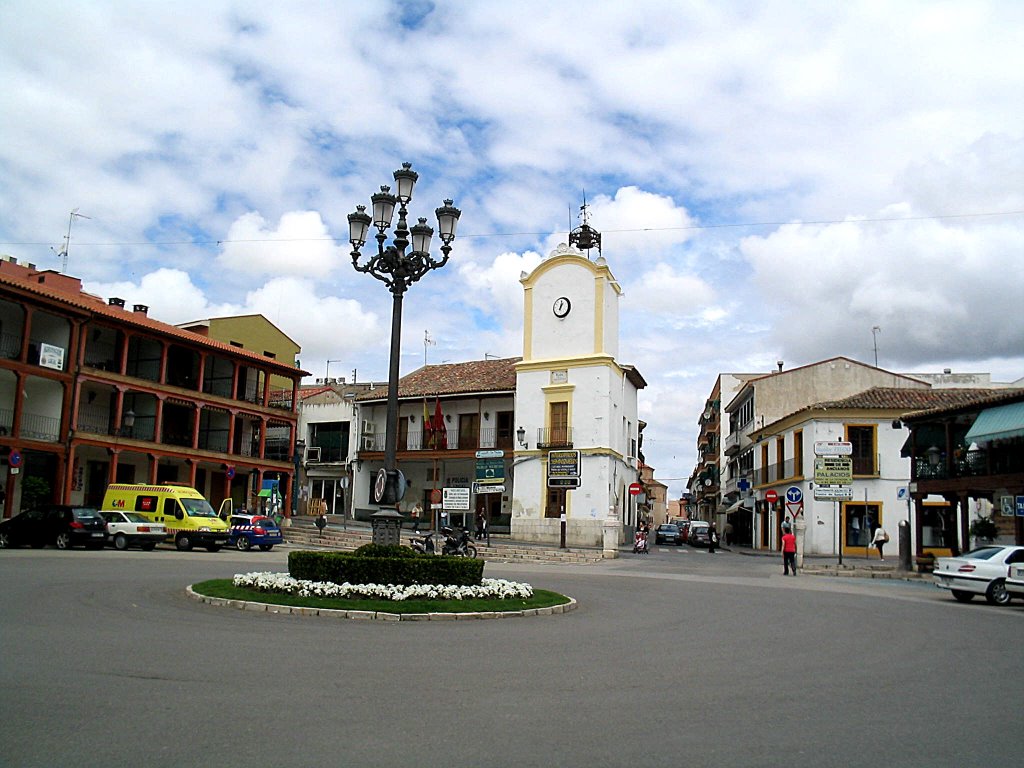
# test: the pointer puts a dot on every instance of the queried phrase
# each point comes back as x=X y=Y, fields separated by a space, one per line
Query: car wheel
x=120 y=541
x=266 y=547
x=242 y=544
x=150 y=546
x=183 y=543
x=963 y=597
x=5 y=540
x=63 y=540
x=996 y=593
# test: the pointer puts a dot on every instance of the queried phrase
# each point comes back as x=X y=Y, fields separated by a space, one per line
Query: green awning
x=266 y=493
x=997 y=423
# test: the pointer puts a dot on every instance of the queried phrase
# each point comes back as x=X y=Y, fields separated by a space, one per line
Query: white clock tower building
x=573 y=395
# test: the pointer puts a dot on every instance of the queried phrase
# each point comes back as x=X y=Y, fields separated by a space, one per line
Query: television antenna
x=63 y=254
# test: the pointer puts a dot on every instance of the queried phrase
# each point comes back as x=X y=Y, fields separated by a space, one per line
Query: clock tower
x=575 y=400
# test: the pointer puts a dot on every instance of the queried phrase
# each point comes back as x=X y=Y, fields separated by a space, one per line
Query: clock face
x=561 y=307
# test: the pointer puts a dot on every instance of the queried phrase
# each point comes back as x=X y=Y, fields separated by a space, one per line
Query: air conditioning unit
x=313 y=453
x=366 y=427
x=368 y=443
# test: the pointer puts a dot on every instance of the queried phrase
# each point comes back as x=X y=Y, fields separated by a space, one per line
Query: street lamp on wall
x=521 y=437
x=398 y=270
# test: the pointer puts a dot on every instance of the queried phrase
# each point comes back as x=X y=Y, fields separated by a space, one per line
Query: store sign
x=832 y=448
x=833 y=470
x=490 y=471
x=563 y=464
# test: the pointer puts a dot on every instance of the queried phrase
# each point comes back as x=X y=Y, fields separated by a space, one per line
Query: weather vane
x=584 y=236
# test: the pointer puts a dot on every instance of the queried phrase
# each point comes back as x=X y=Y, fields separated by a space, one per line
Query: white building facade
x=573 y=394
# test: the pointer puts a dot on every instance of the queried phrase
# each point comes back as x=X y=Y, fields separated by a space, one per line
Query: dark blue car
x=248 y=531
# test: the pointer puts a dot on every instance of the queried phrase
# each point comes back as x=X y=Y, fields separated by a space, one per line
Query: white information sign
x=823 y=492
x=832 y=448
x=455 y=499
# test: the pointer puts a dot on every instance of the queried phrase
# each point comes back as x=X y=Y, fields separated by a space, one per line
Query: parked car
x=253 y=530
x=667 y=533
x=981 y=571
x=1015 y=581
x=127 y=528
x=684 y=529
x=698 y=535
x=60 y=524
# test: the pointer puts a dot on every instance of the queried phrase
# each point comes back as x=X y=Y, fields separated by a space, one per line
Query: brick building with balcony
x=92 y=393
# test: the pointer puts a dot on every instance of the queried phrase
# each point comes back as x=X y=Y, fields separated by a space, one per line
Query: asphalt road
x=675 y=658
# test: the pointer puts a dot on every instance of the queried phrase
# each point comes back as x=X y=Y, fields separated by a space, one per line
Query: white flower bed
x=284 y=583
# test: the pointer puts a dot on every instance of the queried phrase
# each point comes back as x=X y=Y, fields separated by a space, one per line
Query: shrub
x=351 y=568
x=384 y=550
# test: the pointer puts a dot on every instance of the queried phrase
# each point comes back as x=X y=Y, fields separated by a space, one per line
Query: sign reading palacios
x=833 y=470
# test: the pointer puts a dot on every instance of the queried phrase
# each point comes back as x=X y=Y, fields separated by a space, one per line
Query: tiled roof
x=121 y=316
x=981 y=399
x=893 y=398
x=453 y=379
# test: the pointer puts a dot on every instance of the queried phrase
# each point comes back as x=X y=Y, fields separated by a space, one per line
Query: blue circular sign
x=794 y=495
x=14 y=459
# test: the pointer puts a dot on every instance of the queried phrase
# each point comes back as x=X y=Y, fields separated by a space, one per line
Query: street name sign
x=486 y=488
x=832 y=492
x=832 y=448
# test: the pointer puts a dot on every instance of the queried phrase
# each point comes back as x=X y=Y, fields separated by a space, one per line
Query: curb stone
x=248 y=605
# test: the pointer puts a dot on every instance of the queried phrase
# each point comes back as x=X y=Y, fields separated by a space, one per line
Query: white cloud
x=300 y=245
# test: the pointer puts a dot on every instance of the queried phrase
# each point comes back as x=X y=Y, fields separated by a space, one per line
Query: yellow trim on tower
x=527 y=321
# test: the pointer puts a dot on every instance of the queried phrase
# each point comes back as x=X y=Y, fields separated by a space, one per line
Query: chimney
x=779 y=363
x=116 y=302
x=140 y=308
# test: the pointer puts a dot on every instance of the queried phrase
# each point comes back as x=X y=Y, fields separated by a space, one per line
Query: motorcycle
x=640 y=543
x=457 y=544
x=424 y=545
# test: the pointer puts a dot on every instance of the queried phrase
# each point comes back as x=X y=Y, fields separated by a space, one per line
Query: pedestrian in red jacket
x=788 y=551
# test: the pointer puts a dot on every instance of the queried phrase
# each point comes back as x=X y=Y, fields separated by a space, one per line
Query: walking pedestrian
x=880 y=539
x=788 y=550
x=727 y=531
x=479 y=525
x=321 y=522
x=712 y=539
x=417 y=510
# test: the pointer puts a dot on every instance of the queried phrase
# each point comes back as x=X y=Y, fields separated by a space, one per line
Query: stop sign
x=771 y=496
x=635 y=489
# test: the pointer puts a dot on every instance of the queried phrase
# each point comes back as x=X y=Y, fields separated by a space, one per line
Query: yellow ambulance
x=187 y=515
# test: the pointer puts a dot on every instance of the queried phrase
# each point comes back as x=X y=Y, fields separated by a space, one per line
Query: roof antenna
x=63 y=254
x=584 y=236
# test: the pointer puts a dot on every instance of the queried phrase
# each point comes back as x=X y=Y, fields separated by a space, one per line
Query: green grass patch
x=225 y=588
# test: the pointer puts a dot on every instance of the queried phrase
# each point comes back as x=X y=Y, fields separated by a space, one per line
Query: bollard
x=904 y=544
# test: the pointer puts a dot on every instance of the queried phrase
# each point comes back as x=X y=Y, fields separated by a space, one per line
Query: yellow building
x=254 y=333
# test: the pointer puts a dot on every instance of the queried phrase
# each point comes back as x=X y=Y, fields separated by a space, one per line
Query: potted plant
x=984 y=529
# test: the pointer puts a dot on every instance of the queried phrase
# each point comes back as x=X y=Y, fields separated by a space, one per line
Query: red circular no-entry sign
x=771 y=496
x=635 y=489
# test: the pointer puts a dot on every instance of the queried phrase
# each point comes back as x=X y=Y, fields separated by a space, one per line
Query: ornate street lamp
x=398 y=270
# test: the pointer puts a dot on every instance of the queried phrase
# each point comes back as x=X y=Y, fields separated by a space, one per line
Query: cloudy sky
x=773 y=179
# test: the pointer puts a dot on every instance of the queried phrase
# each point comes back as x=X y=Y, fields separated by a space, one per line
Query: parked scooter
x=424 y=545
x=640 y=543
x=457 y=543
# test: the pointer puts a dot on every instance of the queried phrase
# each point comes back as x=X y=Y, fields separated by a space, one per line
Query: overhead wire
x=627 y=230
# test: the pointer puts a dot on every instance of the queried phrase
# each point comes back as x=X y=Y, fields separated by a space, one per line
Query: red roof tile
x=453 y=379
x=33 y=283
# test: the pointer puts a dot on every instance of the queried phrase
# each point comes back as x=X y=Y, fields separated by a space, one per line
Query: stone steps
x=348 y=540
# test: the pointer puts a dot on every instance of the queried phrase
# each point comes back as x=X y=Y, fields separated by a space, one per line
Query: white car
x=981 y=571
x=126 y=528
x=1015 y=581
